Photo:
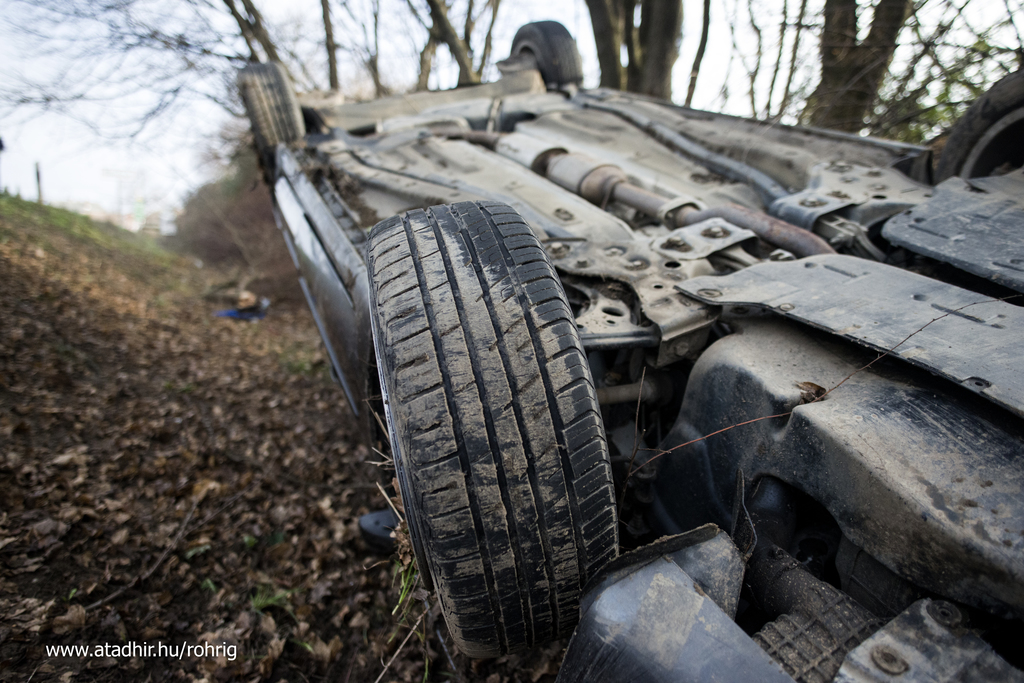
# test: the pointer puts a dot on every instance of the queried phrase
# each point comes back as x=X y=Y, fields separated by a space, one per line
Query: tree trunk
x=606 y=18
x=373 y=61
x=652 y=48
x=852 y=72
x=332 y=49
x=661 y=30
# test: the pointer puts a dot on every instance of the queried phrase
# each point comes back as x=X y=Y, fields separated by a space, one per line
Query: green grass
x=66 y=233
x=42 y=220
x=299 y=359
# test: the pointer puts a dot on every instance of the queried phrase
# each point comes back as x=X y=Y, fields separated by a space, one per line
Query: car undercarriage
x=718 y=397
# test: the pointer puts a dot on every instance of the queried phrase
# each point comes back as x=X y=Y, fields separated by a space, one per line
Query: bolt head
x=709 y=293
x=676 y=244
x=715 y=232
x=944 y=613
x=558 y=249
x=889 y=660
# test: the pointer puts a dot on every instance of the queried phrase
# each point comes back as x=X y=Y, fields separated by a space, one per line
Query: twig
x=636 y=439
x=388 y=499
x=408 y=635
x=907 y=338
x=380 y=423
x=448 y=655
x=882 y=355
x=149 y=572
x=708 y=436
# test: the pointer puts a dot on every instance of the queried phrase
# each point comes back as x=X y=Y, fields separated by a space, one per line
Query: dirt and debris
x=169 y=478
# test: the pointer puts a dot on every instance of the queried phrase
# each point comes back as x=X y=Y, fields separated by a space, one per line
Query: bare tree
x=457 y=45
x=783 y=25
x=788 y=90
x=852 y=70
x=161 y=55
x=441 y=30
x=758 y=57
x=332 y=49
x=652 y=47
x=948 y=63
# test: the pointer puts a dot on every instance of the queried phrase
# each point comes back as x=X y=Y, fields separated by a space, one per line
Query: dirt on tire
x=496 y=429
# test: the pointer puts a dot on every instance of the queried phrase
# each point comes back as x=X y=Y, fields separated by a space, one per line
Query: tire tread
x=510 y=377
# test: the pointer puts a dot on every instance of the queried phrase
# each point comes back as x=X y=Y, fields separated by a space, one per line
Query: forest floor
x=171 y=478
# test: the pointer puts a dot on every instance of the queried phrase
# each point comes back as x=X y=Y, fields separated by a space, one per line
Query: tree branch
x=244 y=27
x=792 y=59
x=456 y=45
x=485 y=56
x=699 y=57
x=260 y=32
x=783 y=25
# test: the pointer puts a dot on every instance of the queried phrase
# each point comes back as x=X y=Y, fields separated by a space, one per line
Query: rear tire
x=273 y=110
x=989 y=135
x=553 y=46
x=495 y=428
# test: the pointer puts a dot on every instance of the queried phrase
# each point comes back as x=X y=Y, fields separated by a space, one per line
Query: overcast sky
x=165 y=162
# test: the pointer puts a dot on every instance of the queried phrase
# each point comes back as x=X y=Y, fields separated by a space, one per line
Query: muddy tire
x=494 y=423
x=274 y=112
x=558 y=59
x=990 y=135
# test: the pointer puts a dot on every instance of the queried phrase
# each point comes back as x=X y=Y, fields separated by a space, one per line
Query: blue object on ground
x=257 y=312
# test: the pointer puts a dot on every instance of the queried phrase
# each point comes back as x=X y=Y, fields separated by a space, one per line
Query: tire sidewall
x=1006 y=96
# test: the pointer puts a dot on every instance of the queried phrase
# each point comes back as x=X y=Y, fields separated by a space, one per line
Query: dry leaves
x=123 y=404
x=73 y=620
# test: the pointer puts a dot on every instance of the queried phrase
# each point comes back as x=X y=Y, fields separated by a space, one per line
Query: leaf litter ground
x=169 y=477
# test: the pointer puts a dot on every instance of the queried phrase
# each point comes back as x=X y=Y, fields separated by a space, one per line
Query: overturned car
x=716 y=397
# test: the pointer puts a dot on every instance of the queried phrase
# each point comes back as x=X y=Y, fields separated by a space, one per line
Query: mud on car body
x=718 y=398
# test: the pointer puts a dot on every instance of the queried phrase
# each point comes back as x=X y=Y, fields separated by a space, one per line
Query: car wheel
x=553 y=47
x=494 y=424
x=273 y=110
x=989 y=138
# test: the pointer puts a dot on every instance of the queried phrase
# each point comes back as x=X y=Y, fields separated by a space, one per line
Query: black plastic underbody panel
x=926 y=649
x=971 y=339
x=975 y=225
x=925 y=477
